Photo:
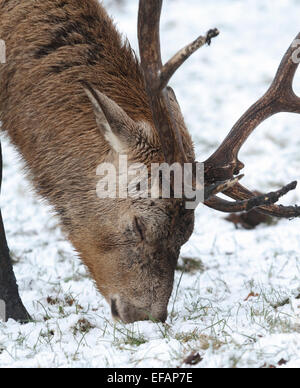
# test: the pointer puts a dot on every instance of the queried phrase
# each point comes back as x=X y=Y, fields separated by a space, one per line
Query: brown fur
x=52 y=45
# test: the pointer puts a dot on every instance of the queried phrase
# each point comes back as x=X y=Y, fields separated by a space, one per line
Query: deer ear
x=113 y=122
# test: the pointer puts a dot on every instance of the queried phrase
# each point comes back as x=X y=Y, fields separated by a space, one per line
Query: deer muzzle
x=128 y=313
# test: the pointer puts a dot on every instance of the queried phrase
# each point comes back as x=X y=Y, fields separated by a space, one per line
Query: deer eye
x=139 y=227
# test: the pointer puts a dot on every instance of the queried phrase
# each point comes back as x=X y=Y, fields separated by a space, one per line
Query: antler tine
x=260 y=202
x=280 y=97
x=282 y=86
x=178 y=59
x=239 y=192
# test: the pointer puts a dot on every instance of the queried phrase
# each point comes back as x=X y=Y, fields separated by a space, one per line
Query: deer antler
x=254 y=202
x=157 y=76
x=224 y=163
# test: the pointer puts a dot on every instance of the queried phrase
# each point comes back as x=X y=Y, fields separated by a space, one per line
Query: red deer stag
x=74 y=95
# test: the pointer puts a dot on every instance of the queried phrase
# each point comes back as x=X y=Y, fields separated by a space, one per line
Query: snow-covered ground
x=210 y=311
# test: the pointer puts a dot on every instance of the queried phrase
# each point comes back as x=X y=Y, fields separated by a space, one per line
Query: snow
x=210 y=313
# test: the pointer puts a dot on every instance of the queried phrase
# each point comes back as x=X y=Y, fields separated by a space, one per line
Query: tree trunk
x=11 y=303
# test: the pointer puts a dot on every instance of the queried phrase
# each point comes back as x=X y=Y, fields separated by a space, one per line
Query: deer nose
x=128 y=313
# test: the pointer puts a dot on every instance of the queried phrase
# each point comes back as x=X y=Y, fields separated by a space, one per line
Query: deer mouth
x=114 y=310
x=128 y=313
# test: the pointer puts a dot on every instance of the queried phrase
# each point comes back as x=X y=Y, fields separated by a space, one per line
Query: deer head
x=136 y=273
x=140 y=240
